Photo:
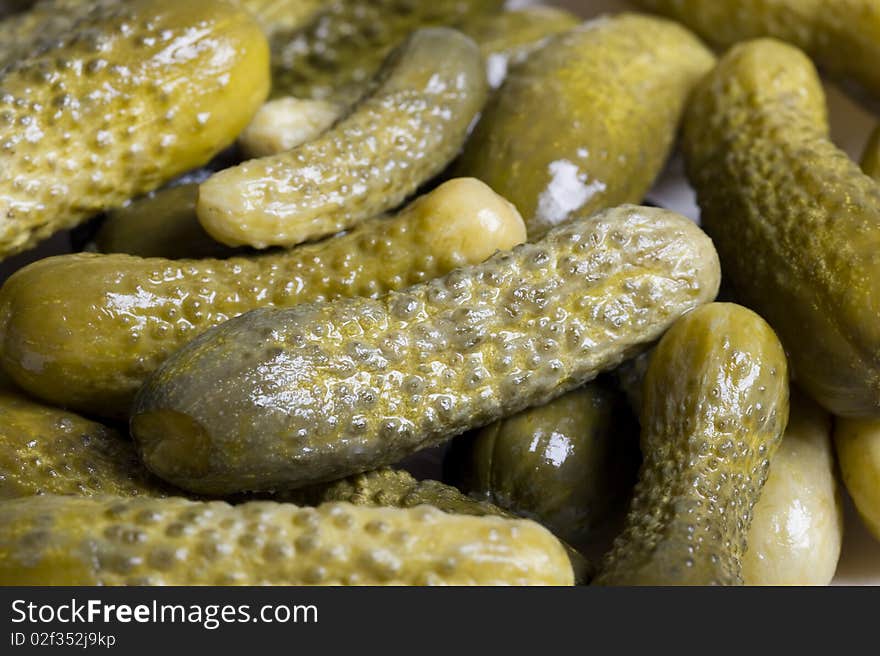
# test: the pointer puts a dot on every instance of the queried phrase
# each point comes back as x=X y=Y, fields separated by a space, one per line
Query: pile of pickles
x=322 y=238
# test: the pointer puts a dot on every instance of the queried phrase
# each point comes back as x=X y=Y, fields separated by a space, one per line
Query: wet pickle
x=793 y=218
x=112 y=541
x=620 y=114
x=715 y=407
x=857 y=442
x=84 y=331
x=399 y=136
x=286 y=398
x=71 y=149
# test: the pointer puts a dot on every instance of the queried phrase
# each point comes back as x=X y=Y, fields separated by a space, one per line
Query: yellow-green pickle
x=398 y=489
x=54 y=540
x=582 y=124
x=285 y=398
x=84 y=331
x=793 y=218
x=564 y=464
x=857 y=442
x=843 y=36
x=72 y=148
x=797 y=524
x=45 y=450
x=399 y=136
x=715 y=407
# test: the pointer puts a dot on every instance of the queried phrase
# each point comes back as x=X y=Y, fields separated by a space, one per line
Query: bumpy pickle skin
x=857 y=442
x=396 y=488
x=797 y=524
x=71 y=149
x=508 y=37
x=564 y=464
x=398 y=137
x=619 y=126
x=794 y=220
x=113 y=541
x=335 y=56
x=161 y=224
x=842 y=36
x=715 y=407
x=326 y=390
x=84 y=331
x=44 y=450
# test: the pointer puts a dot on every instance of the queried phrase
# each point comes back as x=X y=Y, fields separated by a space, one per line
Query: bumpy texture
x=584 y=123
x=398 y=137
x=45 y=450
x=341 y=49
x=285 y=398
x=797 y=524
x=113 y=541
x=85 y=330
x=564 y=464
x=858 y=450
x=843 y=36
x=398 y=489
x=715 y=407
x=508 y=37
x=794 y=220
x=121 y=103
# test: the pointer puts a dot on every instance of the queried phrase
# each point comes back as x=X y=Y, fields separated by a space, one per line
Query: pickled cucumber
x=510 y=36
x=45 y=450
x=282 y=16
x=715 y=407
x=398 y=489
x=585 y=124
x=71 y=148
x=797 y=524
x=794 y=220
x=161 y=224
x=857 y=442
x=335 y=56
x=564 y=464
x=843 y=36
x=115 y=541
x=286 y=398
x=84 y=331
x=401 y=135
x=285 y=123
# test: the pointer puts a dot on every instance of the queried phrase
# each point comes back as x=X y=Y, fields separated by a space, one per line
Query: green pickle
x=71 y=150
x=793 y=218
x=857 y=442
x=797 y=524
x=45 y=450
x=161 y=224
x=398 y=489
x=284 y=398
x=84 y=331
x=565 y=464
x=403 y=133
x=56 y=540
x=341 y=49
x=842 y=36
x=715 y=407
x=583 y=124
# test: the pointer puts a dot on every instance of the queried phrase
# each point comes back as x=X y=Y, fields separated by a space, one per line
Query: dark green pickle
x=565 y=464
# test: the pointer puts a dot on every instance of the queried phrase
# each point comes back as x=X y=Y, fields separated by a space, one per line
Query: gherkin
x=793 y=218
x=715 y=407
x=72 y=149
x=56 y=540
x=284 y=398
